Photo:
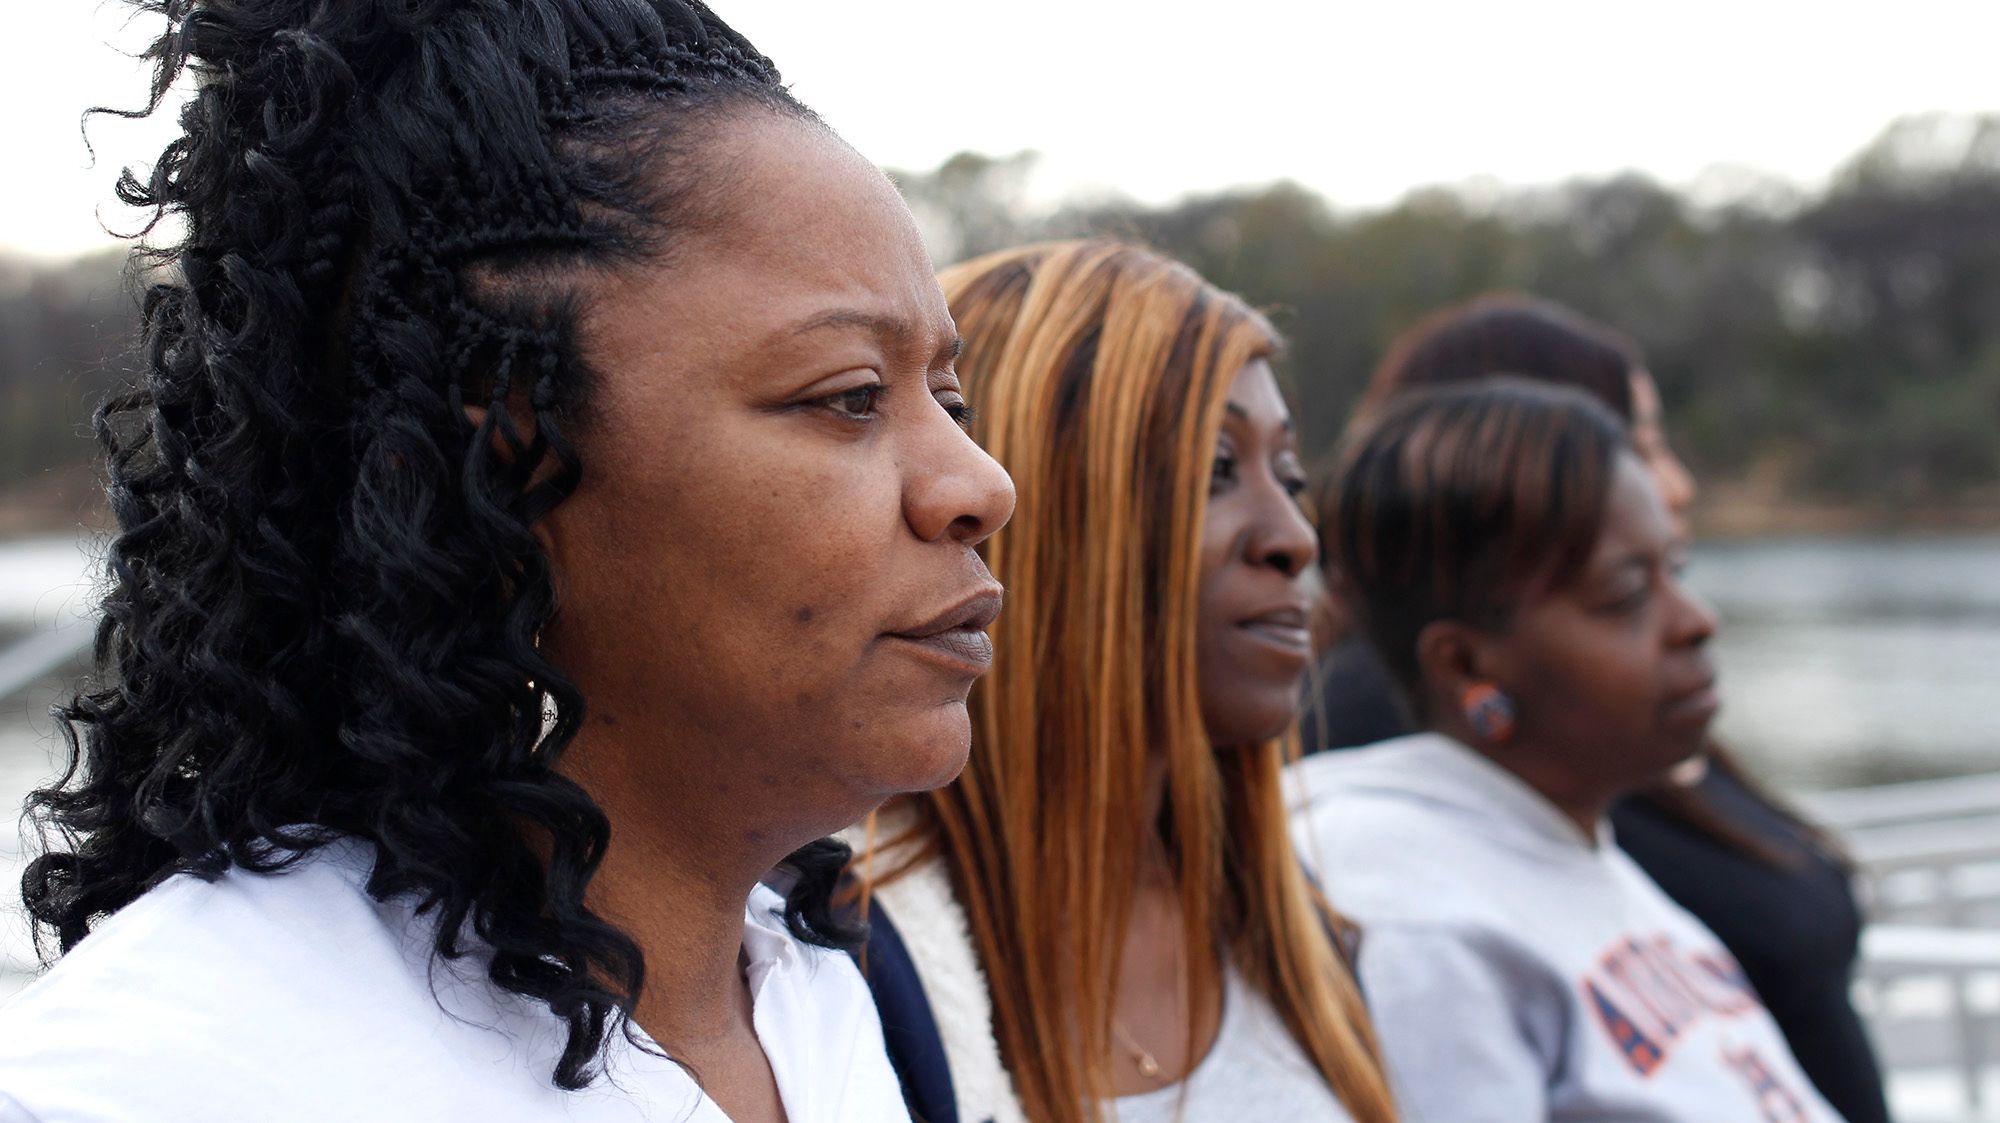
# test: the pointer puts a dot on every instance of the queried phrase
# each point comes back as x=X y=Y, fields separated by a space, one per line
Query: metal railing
x=1928 y=858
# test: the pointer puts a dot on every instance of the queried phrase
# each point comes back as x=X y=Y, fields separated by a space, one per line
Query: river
x=1848 y=661
x=1844 y=662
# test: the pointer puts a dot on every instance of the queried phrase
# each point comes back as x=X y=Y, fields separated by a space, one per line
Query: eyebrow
x=1240 y=414
x=890 y=328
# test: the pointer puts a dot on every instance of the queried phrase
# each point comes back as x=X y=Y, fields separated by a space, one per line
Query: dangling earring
x=1489 y=712
x=545 y=701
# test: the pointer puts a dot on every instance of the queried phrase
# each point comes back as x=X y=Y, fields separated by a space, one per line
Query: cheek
x=1247 y=692
x=1215 y=672
x=728 y=566
x=773 y=547
x=1598 y=674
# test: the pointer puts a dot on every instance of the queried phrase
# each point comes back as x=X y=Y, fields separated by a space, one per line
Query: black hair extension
x=324 y=592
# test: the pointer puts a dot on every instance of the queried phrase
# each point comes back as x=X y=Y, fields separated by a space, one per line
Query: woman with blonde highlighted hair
x=1105 y=911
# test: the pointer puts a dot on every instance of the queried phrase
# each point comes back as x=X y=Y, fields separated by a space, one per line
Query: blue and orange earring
x=1489 y=712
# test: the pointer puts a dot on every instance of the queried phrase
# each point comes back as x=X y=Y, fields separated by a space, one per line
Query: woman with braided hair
x=545 y=514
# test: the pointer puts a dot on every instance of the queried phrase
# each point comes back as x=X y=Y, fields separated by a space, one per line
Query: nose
x=952 y=488
x=1280 y=536
x=1693 y=622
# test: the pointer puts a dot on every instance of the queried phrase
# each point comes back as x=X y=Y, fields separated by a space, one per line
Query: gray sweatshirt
x=1518 y=971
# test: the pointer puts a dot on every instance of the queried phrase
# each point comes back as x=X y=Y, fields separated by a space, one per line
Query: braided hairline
x=284 y=512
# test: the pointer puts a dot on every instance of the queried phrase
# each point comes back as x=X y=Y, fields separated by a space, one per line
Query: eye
x=1631 y=602
x=958 y=410
x=858 y=404
x=1222 y=474
x=1291 y=475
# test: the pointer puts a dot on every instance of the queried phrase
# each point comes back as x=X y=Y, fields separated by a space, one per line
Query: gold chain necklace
x=1149 y=1065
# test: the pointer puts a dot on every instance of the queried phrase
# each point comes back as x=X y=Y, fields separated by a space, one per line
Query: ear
x=1454 y=657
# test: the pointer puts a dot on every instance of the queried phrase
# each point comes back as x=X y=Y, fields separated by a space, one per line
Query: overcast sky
x=1157 y=98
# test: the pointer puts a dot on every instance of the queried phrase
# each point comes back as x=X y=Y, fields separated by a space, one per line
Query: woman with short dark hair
x=1773 y=886
x=545 y=508
x=1506 y=552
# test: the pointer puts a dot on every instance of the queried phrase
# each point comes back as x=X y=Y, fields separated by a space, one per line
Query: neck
x=1584 y=809
x=1583 y=805
x=675 y=878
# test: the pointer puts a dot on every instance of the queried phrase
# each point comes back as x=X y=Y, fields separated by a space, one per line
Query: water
x=1844 y=662
x=46 y=591
x=45 y=579
x=1854 y=661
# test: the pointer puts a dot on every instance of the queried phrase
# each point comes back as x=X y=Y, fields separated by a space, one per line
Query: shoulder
x=1404 y=832
x=201 y=946
x=1380 y=858
x=1467 y=959
x=200 y=999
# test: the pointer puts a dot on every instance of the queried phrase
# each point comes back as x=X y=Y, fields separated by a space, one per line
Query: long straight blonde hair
x=1100 y=372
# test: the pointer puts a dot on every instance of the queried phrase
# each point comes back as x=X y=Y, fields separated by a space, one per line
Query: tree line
x=1839 y=347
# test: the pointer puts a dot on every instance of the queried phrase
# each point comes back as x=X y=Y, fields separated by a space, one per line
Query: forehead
x=804 y=223
x=1635 y=518
x=1254 y=397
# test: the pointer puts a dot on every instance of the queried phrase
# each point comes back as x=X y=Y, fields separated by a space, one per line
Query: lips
x=1282 y=626
x=958 y=634
x=1695 y=705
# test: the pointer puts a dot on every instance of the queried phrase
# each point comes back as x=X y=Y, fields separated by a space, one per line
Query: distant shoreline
x=73 y=499
x=1809 y=520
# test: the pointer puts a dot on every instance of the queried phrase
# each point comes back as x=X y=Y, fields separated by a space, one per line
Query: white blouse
x=1254 y=1071
x=297 y=996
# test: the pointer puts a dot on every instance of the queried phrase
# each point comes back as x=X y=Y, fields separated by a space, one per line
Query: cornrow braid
x=324 y=593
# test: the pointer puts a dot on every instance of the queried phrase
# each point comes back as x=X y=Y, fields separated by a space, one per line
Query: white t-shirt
x=1254 y=1071
x=297 y=997
x=1518 y=971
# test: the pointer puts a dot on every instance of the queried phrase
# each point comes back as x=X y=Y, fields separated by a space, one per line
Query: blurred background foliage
x=1829 y=356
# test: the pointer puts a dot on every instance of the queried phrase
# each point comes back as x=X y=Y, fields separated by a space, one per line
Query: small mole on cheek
x=606 y=719
x=804 y=615
x=803 y=701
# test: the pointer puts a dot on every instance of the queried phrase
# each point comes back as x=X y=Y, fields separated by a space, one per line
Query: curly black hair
x=323 y=595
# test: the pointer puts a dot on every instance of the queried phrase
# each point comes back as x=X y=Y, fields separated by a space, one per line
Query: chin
x=1249 y=714
x=927 y=753
x=1672 y=756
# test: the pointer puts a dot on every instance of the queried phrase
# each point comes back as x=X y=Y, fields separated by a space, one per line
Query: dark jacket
x=908 y=1029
